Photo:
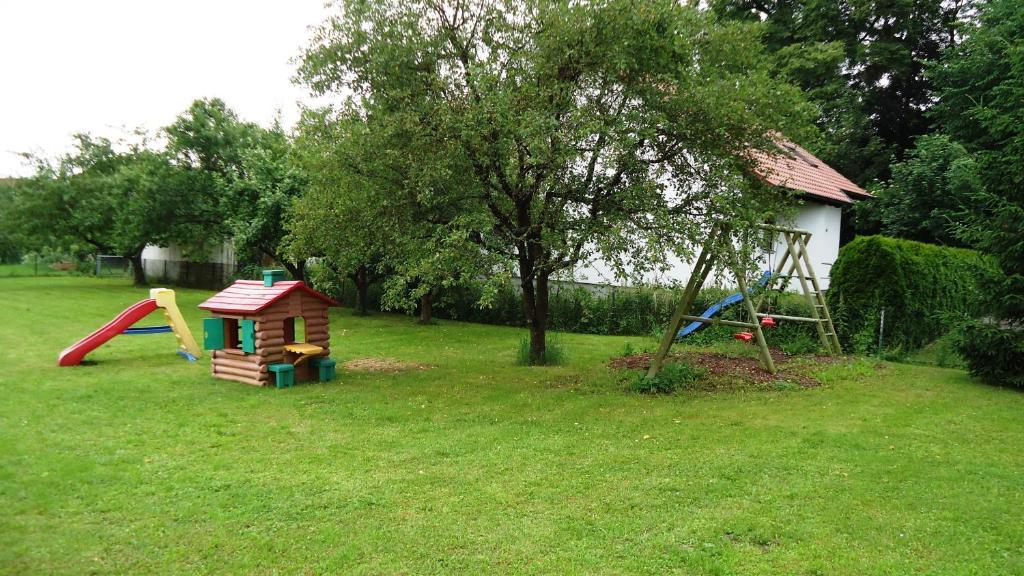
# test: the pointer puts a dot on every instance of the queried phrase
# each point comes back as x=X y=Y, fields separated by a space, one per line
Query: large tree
x=927 y=194
x=613 y=127
x=250 y=181
x=115 y=200
x=864 y=64
x=981 y=106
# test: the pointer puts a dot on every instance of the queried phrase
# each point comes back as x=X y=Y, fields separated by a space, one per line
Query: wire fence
x=208 y=275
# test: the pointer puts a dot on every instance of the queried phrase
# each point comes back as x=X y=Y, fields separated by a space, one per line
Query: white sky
x=101 y=66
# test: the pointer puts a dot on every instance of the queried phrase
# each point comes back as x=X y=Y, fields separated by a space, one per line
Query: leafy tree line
x=962 y=183
x=216 y=177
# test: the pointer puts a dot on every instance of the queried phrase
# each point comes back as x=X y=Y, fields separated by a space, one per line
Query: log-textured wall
x=253 y=368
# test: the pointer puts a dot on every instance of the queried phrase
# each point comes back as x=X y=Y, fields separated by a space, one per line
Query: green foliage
x=114 y=196
x=250 y=181
x=921 y=287
x=13 y=242
x=981 y=88
x=673 y=377
x=864 y=64
x=993 y=352
x=584 y=128
x=927 y=193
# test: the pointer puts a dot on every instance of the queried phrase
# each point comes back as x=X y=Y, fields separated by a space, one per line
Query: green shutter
x=248 y=336
x=213 y=333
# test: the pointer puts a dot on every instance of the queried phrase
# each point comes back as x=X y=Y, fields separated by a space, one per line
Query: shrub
x=673 y=377
x=993 y=352
x=594 y=310
x=921 y=287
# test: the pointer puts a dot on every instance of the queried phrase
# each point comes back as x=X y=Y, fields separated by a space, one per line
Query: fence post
x=881 y=332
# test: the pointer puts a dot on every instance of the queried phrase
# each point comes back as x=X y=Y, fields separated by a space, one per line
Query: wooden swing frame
x=799 y=266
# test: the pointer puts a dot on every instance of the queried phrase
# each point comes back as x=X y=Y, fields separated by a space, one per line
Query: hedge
x=603 y=310
x=923 y=289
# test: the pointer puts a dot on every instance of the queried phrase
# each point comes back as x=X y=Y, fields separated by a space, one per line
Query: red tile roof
x=797 y=169
x=251 y=296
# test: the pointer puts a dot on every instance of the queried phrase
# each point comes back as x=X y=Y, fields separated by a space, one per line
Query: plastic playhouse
x=123 y=324
x=273 y=332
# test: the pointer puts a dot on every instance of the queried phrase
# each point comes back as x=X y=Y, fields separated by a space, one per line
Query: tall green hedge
x=921 y=287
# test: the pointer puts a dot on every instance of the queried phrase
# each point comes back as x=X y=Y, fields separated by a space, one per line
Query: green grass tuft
x=673 y=377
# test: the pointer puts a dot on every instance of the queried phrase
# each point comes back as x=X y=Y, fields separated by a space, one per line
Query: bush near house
x=993 y=351
x=607 y=311
x=923 y=289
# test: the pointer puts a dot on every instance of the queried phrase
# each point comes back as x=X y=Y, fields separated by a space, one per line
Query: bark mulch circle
x=723 y=366
x=389 y=365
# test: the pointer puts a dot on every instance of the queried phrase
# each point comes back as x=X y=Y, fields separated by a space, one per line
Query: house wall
x=169 y=264
x=822 y=220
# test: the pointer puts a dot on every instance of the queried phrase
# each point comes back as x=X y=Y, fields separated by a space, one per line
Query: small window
x=295 y=329
x=232 y=335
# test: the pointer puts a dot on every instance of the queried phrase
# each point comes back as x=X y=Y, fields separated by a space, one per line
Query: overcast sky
x=99 y=66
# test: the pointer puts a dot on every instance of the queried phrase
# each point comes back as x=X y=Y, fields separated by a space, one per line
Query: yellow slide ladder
x=186 y=343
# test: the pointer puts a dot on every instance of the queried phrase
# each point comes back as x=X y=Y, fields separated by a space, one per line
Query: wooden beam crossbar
x=714 y=321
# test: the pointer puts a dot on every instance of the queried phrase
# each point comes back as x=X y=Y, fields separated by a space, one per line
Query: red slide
x=72 y=355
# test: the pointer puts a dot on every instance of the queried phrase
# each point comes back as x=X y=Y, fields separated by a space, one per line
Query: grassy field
x=143 y=463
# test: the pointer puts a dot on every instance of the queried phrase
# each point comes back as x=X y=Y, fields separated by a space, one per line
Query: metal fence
x=208 y=275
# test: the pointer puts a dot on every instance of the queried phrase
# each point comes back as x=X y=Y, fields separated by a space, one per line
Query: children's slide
x=718 y=307
x=122 y=324
x=72 y=355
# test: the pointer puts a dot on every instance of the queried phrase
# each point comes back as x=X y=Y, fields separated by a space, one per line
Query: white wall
x=164 y=263
x=220 y=254
x=821 y=220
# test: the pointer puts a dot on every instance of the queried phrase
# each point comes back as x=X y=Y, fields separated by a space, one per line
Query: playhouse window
x=232 y=334
x=295 y=329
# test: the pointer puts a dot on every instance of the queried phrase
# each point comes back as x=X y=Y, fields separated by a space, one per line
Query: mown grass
x=143 y=463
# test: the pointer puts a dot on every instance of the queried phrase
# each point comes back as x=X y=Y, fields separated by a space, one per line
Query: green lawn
x=143 y=463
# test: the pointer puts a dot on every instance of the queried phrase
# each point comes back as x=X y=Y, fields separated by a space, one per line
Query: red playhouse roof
x=251 y=296
x=798 y=169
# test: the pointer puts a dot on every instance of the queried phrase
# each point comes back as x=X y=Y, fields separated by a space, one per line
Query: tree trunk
x=138 y=271
x=297 y=270
x=535 y=307
x=361 y=278
x=427 y=308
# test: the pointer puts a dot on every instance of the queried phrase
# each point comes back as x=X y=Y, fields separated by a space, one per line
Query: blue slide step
x=147 y=330
x=718 y=307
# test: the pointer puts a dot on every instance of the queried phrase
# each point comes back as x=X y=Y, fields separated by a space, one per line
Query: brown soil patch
x=721 y=366
x=390 y=365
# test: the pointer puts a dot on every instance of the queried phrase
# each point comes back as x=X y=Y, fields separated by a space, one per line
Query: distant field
x=142 y=463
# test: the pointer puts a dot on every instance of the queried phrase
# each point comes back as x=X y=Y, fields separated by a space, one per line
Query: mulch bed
x=722 y=366
x=389 y=365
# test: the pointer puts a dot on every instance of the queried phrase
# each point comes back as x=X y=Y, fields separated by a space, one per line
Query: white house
x=822 y=191
x=169 y=264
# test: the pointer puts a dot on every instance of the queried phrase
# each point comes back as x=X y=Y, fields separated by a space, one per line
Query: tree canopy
x=927 y=194
x=864 y=64
x=117 y=201
x=611 y=128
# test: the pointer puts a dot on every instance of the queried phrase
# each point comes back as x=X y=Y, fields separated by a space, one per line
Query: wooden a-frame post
x=705 y=263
